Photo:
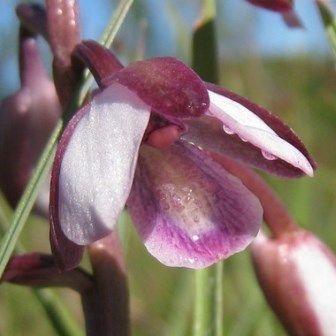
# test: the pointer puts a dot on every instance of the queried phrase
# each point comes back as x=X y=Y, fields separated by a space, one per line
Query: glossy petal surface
x=95 y=163
x=230 y=135
x=189 y=211
x=171 y=88
x=249 y=127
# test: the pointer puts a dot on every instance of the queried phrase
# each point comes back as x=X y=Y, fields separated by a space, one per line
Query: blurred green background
x=298 y=84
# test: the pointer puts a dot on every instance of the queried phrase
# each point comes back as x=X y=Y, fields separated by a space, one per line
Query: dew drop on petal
x=268 y=155
x=242 y=138
x=195 y=237
x=191 y=260
x=228 y=130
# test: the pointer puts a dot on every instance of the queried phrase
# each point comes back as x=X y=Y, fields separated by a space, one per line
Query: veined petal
x=95 y=162
x=189 y=211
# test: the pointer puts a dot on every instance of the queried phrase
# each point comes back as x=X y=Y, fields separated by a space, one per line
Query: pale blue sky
x=246 y=27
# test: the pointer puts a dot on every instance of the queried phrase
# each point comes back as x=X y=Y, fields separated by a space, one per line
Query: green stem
x=329 y=22
x=219 y=313
x=208 y=316
x=59 y=316
x=204 y=284
x=29 y=196
x=204 y=45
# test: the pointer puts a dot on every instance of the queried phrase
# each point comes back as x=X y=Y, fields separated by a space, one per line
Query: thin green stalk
x=204 y=46
x=219 y=313
x=29 y=196
x=59 y=316
x=204 y=302
x=208 y=315
x=329 y=21
x=107 y=39
x=27 y=200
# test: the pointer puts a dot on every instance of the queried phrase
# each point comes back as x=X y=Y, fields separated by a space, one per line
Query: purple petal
x=101 y=61
x=67 y=254
x=249 y=127
x=292 y=20
x=168 y=86
x=95 y=162
x=273 y=5
x=251 y=123
x=207 y=133
x=189 y=211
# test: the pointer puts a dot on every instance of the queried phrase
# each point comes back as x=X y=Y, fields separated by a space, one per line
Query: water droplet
x=195 y=237
x=268 y=155
x=191 y=260
x=242 y=138
x=228 y=130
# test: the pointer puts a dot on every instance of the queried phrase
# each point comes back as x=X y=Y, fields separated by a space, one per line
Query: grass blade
x=208 y=315
x=329 y=21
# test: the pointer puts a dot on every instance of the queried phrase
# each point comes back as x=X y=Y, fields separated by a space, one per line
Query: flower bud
x=297 y=273
x=27 y=119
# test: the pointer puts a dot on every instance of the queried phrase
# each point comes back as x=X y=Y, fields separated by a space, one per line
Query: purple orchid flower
x=144 y=140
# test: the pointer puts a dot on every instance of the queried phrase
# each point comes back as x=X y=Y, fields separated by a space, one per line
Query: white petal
x=99 y=162
x=318 y=275
x=249 y=127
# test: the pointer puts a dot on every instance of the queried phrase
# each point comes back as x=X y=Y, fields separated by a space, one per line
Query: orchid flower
x=284 y=7
x=144 y=140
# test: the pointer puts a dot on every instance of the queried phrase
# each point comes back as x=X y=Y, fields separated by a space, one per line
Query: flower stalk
x=106 y=304
x=329 y=22
x=208 y=314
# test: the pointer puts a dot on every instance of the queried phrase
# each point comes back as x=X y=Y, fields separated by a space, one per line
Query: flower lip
x=190 y=211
